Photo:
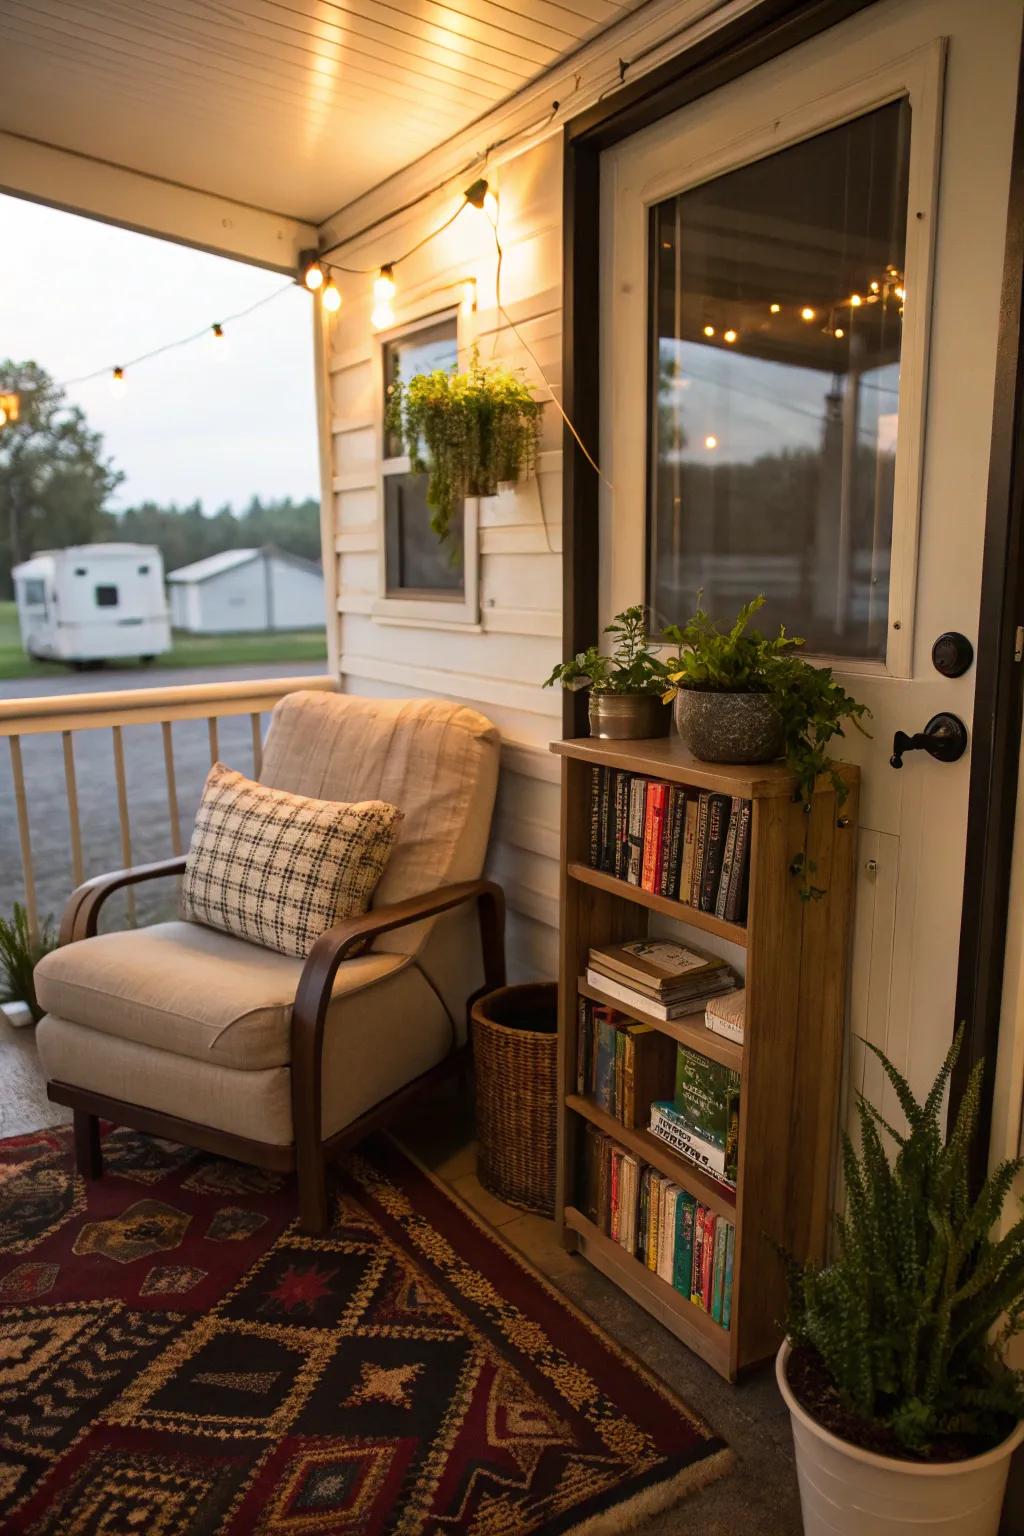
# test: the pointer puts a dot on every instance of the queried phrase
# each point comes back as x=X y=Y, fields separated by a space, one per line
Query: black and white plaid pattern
x=279 y=869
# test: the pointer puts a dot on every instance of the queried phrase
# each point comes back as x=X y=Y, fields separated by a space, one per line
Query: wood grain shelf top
x=681 y=911
x=650 y=1149
x=689 y=1031
x=665 y=757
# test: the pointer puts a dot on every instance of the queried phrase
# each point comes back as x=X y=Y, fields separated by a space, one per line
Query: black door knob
x=944 y=738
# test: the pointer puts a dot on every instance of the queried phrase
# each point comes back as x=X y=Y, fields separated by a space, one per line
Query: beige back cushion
x=436 y=761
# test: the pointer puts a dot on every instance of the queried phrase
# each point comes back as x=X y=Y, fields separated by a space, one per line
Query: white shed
x=246 y=589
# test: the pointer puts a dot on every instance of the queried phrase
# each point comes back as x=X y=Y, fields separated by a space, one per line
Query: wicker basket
x=515 y=1047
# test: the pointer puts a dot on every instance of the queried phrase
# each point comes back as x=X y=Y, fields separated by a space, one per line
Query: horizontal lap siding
x=498 y=664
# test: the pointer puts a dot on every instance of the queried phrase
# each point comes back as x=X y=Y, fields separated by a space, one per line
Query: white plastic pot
x=845 y=1491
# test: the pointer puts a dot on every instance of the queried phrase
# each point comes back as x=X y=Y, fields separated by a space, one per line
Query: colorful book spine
x=682 y=1268
x=689 y=849
x=698 y=1254
x=707 y=1259
x=595 y=816
x=622 y=788
x=699 y=848
x=718 y=1277
x=604 y=1059
x=718 y=827
x=730 y=1245
x=728 y=857
x=637 y=808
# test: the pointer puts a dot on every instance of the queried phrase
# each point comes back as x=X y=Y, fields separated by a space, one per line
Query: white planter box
x=845 y=1491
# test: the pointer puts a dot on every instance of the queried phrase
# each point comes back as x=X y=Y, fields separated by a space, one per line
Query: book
x=663 y=1011
x=672 y=795
x=697 y=1268
x=635 y=830
x=623 y=783
x=667 y=1246
x=614 y=1187
x=719 y=807
x=604 y=1056
x=700 y=844
x=654 y=822
x=649 y=1064
x=608 y=822
x=677 y=827
x=707 y=1259
x=728 y=857
x=657 y=965
x=595 y=816
x=718 y=1274
x=682 y=1268
x=583 y=1036
x=730 y=1245
x=736 y=896
x=725 y=1014
x=629 y=1191
x=665 y=1121
x=706 y=1095
x=689 y=849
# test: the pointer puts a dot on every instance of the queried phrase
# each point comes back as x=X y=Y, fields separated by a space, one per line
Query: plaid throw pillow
x=279 y=869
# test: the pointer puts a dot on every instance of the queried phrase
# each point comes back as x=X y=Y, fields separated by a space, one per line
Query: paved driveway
x=97 y=800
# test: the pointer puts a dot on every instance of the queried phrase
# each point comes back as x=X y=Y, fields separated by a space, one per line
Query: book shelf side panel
x=589 y=916
x=821 y=1025
x=767 y=1170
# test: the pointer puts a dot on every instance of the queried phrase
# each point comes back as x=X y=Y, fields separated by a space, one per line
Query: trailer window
x=106 y=597
x=143 y=570
x=35 y=592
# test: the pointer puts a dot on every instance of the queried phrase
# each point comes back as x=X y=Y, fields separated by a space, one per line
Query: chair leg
x=88 y=1156
x=312 y=1181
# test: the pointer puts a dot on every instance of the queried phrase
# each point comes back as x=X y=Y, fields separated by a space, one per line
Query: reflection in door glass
x=777 y=302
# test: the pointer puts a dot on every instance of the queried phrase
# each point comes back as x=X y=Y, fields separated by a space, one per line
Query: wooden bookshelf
x=797 y=956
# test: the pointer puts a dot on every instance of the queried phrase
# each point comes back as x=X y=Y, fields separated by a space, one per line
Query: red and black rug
x=177 y=1360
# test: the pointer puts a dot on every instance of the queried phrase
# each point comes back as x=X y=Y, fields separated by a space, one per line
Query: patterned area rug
x=176 y=1360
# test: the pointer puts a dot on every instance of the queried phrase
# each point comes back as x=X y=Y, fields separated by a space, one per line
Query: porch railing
x=68 y=715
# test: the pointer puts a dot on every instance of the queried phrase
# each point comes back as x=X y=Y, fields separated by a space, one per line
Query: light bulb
x=117 y=382
x=855 y=301
x=807 y=313
x=774 y=308
x=730 y=336
x=384 y=285
x=383 y=317
x=874 y=287
x=709 y=330
x=469 y=296
x=711 y=441
x=3 y=417
x=314 y=276
x=900 y=294
x=331 y=297
x=839 y=333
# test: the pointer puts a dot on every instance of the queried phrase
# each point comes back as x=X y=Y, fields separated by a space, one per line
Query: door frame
x=772 y=28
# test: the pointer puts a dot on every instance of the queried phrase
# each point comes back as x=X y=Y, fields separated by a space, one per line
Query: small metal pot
x=628 y=716
x=729 y=727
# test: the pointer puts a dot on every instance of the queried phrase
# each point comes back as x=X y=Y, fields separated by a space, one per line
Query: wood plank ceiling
x=297 y=106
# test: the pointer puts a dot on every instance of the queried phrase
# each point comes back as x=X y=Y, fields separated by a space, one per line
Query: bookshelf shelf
x=654 y=1151
x=687 y=1031
x=796 y=956
x=688 y=1322
x=736 y=933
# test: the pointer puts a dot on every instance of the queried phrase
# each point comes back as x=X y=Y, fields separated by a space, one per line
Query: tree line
x=56 y=482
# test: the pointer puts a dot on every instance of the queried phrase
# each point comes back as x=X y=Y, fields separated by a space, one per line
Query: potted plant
x=904 y=1411
x=19 y=955
x=627 y=688
x=470 y=432
x=743 y=698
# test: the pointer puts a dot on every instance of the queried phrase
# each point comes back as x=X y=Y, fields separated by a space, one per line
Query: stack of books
x=659 y=976
x=701 y=1122
x=622 y=1065
x=726 y=1015
x=692 y=846
x=663 y=1226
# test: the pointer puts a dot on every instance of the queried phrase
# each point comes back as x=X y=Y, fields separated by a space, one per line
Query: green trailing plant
x=632 y=666
x=811 y=704
x=912 y=1318
x=468 y=431
x=20 y=953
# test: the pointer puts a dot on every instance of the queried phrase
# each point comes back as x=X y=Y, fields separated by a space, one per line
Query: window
x=777 y=302
x=143 y=570
x=106 y=597
x=34 y=592
x=416 y=564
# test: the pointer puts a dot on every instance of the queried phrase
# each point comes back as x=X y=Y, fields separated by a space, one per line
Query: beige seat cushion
x=190 y=990
x=376 y=1039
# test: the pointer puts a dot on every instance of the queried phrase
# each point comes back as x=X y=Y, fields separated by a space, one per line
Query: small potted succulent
x=469 y=432
x=627 y=688
x=905 y=1413
x=740 y=697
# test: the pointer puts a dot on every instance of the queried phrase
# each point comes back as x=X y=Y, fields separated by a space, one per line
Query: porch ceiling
x=297 y=106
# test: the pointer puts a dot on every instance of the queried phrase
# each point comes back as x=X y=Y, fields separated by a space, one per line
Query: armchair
x=185 y=1032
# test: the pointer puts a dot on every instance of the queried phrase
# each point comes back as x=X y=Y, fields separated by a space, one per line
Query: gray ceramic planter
x=729 y=727
x=628 y=716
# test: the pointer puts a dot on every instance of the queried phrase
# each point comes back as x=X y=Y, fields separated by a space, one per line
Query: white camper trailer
x=93 y=603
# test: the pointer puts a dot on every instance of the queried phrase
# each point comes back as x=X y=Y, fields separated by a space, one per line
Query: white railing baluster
x=122 y=812
x=24 y=837
x=257 y=744
x=172 y=788
x=211 y=726
x=74 y=825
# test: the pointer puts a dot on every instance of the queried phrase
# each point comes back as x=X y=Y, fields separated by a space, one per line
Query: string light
x=469 y=296
x=382 y=317
x=117 y=382
x=711 y=441
x=481 y=197
x=839 y=333
x=312 y=271
x=730 y=336
x=384 y=285
x=774 y=308
x=10 y=408
x=709 y=330
x=807 y=313
x=330 y=297
x=855 y=301
x=3 y=417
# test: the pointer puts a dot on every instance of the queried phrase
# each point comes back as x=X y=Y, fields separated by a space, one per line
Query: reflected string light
x=711 y=441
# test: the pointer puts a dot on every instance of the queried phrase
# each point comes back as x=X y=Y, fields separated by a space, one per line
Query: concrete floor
x=758 y=1498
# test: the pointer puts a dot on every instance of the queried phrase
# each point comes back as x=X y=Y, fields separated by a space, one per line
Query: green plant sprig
x=469 y=432
x=19 y=956
x=632 y=666
x=912 y=1319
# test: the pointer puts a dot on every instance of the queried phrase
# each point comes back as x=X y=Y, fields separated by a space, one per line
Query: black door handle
x=944 y=738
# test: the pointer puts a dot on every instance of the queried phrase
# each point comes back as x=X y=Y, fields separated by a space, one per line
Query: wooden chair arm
x=81 y=914
x=317 y=982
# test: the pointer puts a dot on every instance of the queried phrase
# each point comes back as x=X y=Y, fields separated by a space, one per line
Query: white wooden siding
x=497 y=661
